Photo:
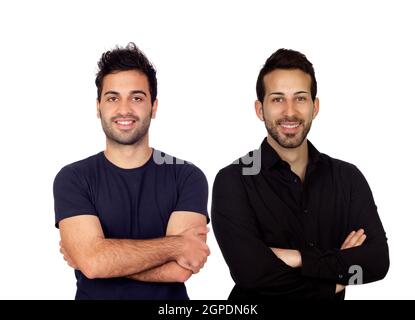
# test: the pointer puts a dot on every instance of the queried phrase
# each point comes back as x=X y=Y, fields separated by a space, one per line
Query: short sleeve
x=71 y=195
x=192 y=190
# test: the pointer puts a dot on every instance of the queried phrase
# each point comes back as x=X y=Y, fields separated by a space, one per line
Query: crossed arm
x=293 y=259
x=173 y=258
x=172 y=271
x=269 y=271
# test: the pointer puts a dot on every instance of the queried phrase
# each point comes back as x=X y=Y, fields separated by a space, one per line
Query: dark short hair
x=125 y=59
x=285 y=59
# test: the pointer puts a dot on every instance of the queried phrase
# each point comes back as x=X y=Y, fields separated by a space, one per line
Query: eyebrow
x=131 y=92
x=138 y=91
x=282 y=93
x=299 y=92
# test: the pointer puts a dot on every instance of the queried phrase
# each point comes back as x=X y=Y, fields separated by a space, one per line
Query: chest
x=134 y=207
x=292 y=214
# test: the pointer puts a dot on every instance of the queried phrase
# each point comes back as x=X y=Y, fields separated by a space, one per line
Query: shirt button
x=340 y=276
x=305 y=211
x=311 y=244
x=295 y=180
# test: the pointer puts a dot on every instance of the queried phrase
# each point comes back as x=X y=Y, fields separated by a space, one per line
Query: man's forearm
x=122 y=257
x=168 y=272
x=290 y=257
x=293 y=259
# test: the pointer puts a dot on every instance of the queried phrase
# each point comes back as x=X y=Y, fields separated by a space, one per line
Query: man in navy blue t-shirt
x=132 y=219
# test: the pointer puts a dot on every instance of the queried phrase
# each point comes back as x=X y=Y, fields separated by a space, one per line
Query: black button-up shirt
x=274 y=208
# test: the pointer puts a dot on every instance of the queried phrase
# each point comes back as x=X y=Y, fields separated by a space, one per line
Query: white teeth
x=290 y=126
x=124 y=123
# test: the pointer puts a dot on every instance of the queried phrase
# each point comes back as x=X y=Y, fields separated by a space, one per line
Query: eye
x=137 y=99
x=301 y=98
x=112 y=99
x=277 y=99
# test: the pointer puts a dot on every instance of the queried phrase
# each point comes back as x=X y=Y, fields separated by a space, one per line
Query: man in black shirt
x=296 y=223
x=132 y=219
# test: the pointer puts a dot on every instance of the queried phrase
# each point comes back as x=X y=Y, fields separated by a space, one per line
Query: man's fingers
x=195 y=269
x=346 y=242
x=351 y=234
x=360 y=240
x=354 y=239
x=66 y=257
x=201 y=230
x=185 y=265
x=69 y=262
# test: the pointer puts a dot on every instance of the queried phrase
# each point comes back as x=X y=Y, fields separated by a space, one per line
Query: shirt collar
x=270 y=158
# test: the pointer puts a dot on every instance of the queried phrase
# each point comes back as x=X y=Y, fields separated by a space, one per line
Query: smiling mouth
x=290 y=125
x=124 y=122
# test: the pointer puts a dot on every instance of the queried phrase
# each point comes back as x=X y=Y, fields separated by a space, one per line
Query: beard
x=129 y=137
x=288 y=140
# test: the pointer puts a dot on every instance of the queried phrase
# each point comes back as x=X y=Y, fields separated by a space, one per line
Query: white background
x=208 y=55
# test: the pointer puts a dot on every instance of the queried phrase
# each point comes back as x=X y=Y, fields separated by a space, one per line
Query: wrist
x=177 y=247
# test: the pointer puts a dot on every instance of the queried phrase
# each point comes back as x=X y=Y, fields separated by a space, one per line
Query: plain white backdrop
x=208 y=55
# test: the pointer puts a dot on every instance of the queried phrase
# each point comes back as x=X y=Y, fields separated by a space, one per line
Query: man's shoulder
x=338 y=164
x=162 y=158
x=344 y=173
x=81 y=166
x=179 y=167
x=231 y=170
x=246 y=165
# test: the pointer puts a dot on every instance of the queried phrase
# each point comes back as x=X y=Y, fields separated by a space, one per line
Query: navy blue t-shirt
x=130 y=204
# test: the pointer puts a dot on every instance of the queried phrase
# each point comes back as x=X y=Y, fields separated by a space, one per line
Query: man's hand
x=354 y=239
x=66 y=256
x=290 y=257
x=194 y=251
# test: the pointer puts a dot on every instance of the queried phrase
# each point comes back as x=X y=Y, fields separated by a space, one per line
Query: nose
x=289 y=109
x=124 y=107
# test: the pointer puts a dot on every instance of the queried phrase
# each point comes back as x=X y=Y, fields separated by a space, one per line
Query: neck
x=128 y=156
x=297 y=158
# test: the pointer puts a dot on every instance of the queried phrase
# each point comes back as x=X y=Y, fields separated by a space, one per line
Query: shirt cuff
x=310 y=262
x=314 y=267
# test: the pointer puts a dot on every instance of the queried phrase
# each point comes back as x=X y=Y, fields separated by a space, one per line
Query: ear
x=98 y=113
x=154 y=109
x=316 y=107
x=259 y=110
